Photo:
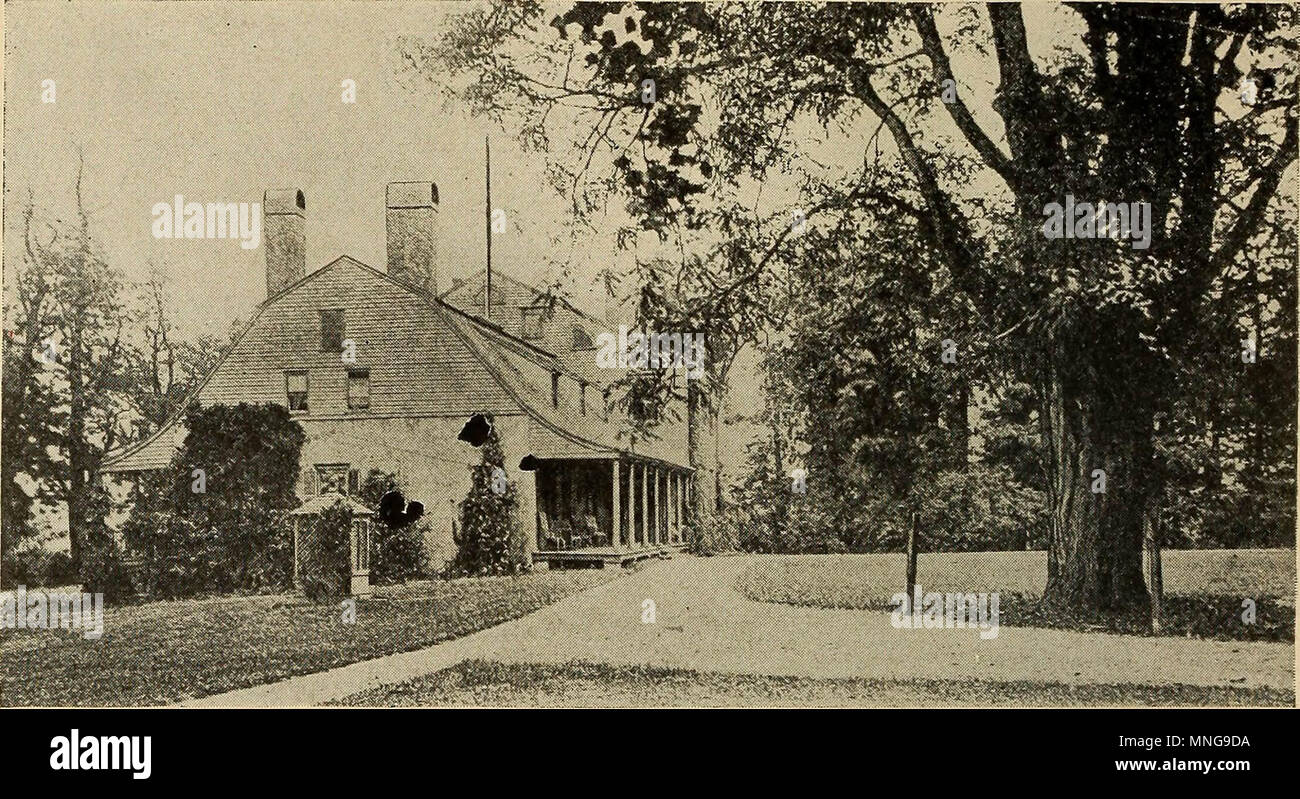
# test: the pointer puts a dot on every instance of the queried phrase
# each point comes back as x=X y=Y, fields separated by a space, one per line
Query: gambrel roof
x=452 y=362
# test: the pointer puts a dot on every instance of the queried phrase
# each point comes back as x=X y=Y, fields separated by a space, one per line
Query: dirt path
x=702 y=623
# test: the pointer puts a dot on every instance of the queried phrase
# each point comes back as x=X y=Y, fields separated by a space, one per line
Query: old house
x=383 y=372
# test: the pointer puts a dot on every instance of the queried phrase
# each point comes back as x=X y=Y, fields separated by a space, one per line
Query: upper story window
x=295 y=389
x=533 y=322
x=581 y=339
x=332 y=330
x=582 y=397
x=358 y=389
x=555 y=389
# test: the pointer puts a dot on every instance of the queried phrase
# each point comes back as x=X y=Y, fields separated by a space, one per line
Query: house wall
x=417 y=363
x=429 y=460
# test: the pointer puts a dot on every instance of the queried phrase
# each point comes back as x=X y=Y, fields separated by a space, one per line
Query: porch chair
x=549 y=542
x=564 y=534
x=592 y=529
x=578 y=536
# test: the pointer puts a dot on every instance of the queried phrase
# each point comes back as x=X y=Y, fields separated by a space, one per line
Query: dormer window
x=532 y=322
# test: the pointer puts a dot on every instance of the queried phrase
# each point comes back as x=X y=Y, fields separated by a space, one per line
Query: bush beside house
x=213 y=520
x=489 y=537
x=398 y=554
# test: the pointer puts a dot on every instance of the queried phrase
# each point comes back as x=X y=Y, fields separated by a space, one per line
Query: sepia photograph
x=649 y=355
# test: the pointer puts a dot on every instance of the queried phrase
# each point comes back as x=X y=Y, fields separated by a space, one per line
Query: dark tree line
x=91 y=362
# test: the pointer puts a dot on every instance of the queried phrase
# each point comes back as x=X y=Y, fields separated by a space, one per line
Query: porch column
x=654 y=504
x=676 y=496
x=677 y=507
x=645 y=505
x=686 y=502
x=632 y=504
x=664 y=537
x=615 y=506
x=660 y=517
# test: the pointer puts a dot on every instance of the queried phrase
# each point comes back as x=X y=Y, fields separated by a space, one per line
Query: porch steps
x=600 y=557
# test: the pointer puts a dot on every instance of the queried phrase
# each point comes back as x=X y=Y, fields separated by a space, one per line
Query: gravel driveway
x=702 y=623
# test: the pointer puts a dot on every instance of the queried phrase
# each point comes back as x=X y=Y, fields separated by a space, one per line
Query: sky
x=218 y=102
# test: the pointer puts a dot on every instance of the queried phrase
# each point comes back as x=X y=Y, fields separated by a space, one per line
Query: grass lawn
x=164 y=652
x=1204 y=589
x=578 y=684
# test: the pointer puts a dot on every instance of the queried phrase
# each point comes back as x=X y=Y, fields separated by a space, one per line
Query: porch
x=596 y=512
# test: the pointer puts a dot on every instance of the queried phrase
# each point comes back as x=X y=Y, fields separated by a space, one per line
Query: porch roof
x=563 y=430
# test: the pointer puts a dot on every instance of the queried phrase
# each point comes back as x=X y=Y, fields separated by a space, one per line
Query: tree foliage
x=489 y=532
x=1126 y=103
x=213 y=520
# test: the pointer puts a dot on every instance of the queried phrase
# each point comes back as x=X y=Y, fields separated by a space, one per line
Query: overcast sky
x=220 y=101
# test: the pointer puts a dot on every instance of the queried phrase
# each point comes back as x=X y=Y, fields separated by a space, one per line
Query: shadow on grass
x=586 y=684
x=1182 y=615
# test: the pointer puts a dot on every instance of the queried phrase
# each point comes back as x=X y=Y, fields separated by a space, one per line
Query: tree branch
x=1247 y=221
x=923 y=18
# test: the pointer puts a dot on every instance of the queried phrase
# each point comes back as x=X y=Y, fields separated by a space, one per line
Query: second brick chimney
x=284 y=213
x=411 y=216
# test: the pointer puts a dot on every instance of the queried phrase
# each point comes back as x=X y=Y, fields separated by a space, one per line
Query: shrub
x=397 y=555
x=213 y=520
x=21 y=567
x=101 y=563
x=980 y=508
x=325 y=567
x=720 y=532
x=58 y=569
x=487 y=535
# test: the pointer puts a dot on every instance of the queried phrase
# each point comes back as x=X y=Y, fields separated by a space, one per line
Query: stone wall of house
x=429 y=459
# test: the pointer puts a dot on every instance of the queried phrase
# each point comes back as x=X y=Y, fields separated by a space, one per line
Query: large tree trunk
x=1092 y=420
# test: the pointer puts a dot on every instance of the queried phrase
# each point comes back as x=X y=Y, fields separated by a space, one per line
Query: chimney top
x=284 y=201
x=412 y=194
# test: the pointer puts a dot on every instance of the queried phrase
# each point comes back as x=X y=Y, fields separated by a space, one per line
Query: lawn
x=1204 y=589
x=579 y=684
x=164 y=652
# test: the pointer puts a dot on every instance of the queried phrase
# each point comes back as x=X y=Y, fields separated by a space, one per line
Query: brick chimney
x=284 y=213
x=411 y=214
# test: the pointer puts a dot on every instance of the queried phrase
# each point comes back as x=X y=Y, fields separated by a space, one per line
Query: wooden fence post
x=911 y=560
x=1155 y=576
